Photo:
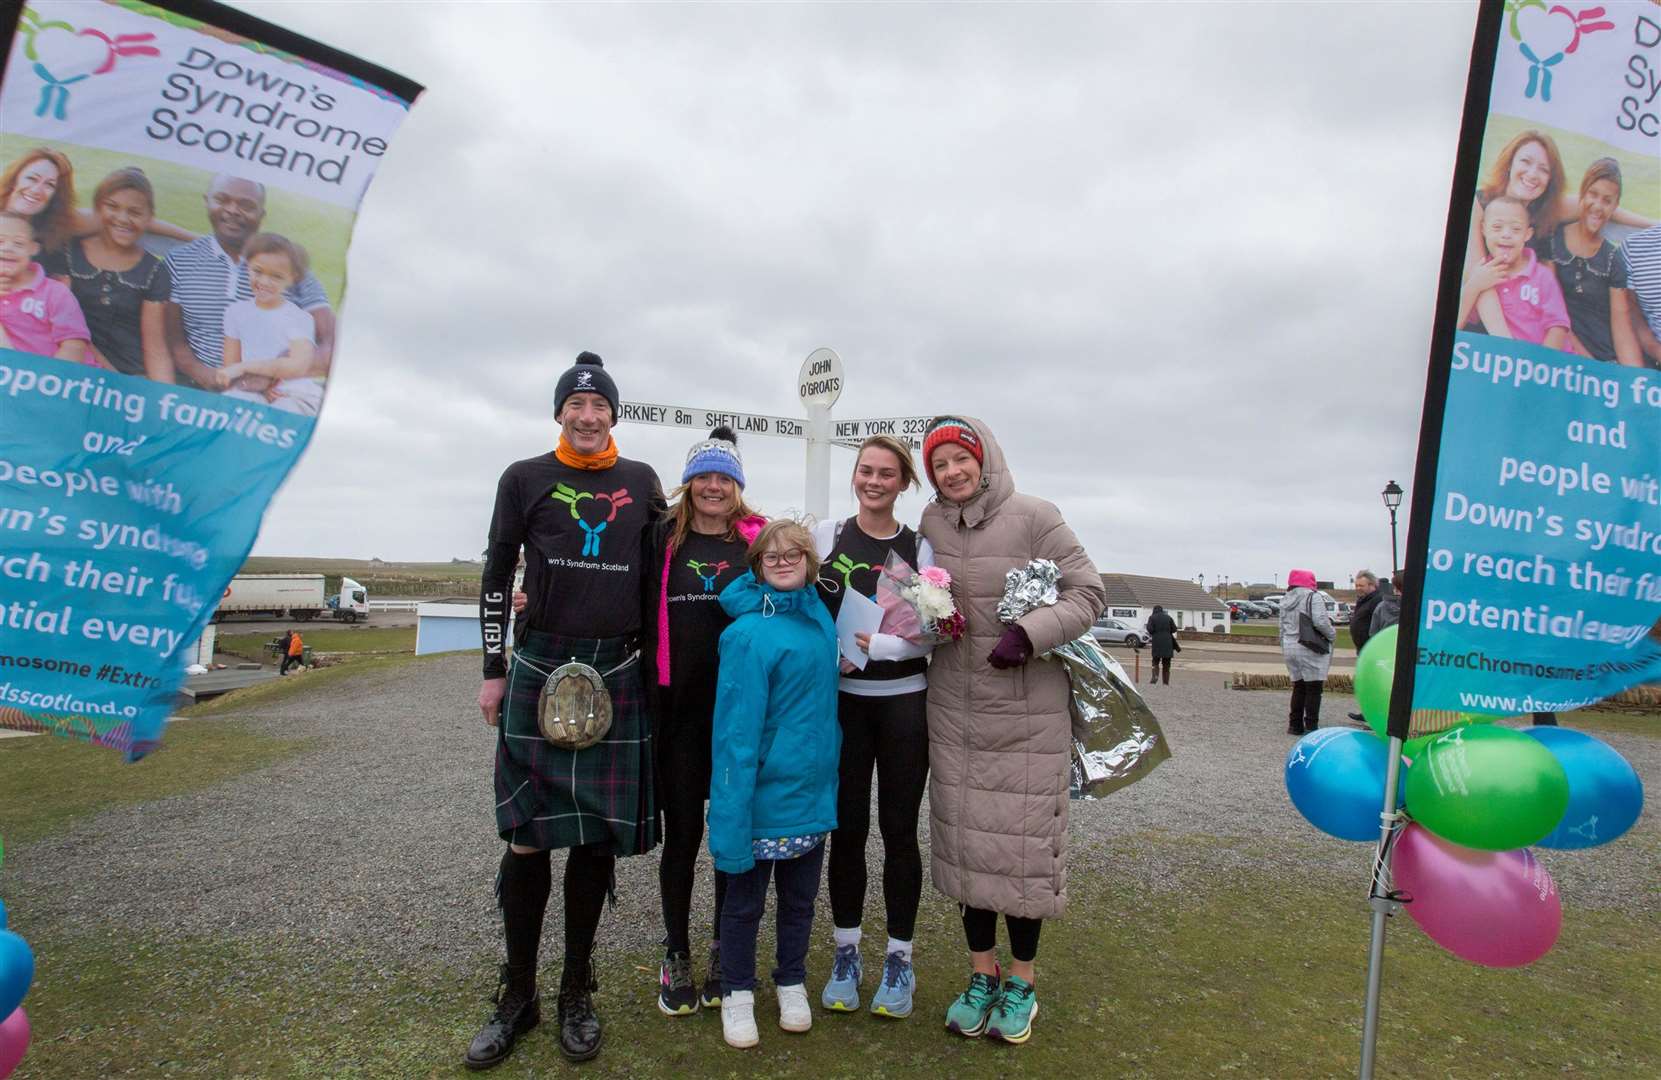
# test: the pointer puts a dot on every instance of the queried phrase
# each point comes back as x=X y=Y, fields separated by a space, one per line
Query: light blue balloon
x=1605 y=794
x=1335 y=777
x=17 y=971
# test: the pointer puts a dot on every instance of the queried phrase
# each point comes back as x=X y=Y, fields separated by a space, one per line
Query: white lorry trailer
x=291 y=596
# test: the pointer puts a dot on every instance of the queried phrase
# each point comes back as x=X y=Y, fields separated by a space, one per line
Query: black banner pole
x=1380 y=897
x=1467 y=164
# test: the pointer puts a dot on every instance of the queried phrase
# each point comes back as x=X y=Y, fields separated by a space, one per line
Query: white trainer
x=738 y=1018
x=794 y=1014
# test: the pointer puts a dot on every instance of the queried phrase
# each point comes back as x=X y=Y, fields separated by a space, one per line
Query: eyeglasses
x=783 y=558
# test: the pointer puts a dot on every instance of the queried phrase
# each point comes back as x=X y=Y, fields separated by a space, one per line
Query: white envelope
x=858 y=615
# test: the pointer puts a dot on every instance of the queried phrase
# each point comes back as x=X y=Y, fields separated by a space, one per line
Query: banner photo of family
x=1542 y=575
x=178 y=187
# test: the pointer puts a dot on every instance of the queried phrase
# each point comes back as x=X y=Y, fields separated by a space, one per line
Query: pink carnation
x=936 y=576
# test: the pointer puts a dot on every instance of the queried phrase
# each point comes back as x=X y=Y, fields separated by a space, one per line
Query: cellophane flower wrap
x=1116 y=739
x=917 y=604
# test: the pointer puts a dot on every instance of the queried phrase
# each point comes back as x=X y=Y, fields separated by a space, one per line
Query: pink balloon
x=1497 y=908
x=14 y=1040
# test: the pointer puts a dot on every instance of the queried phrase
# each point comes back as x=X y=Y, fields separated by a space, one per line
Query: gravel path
x=383 y=836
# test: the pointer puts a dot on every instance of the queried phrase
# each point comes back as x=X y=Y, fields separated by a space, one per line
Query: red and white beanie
x=950 y=429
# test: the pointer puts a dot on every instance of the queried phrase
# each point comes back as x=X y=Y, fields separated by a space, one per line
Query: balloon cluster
x=1476 y=797
x=17 y=971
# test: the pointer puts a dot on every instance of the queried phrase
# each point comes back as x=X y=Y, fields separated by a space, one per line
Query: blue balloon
x=1335 y=777
x=17 y=971
x=2 y=914
x=1605 y=794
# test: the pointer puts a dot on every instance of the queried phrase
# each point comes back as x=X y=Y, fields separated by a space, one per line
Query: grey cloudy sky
x=1182 y=258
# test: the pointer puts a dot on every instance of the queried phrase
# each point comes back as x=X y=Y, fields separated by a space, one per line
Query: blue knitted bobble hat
x=716 y=454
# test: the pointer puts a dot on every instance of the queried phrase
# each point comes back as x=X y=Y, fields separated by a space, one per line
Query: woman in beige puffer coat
x=999 y=726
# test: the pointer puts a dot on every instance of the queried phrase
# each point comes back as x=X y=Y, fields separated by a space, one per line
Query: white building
x=1132 y=597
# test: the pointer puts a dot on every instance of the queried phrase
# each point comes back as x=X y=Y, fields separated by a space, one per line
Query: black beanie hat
x=588 y=375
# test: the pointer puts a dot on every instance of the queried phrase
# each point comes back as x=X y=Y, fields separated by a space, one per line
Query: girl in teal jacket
x=774 y=757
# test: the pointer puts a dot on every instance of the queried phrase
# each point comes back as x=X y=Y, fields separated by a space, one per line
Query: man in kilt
x=580 y=516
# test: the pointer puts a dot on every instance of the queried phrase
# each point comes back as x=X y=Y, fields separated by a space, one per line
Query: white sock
x=901 y=947
x=846 y=937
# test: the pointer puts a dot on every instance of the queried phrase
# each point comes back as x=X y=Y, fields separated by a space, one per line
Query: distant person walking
x=1307 y=666
x=294 y=650
x=1162 y=630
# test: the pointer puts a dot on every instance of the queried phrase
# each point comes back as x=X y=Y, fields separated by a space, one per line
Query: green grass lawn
x=1256 y=976
x=275 y=690
x=1599 y=722
x=1272 y=630
x=1251 y=974
x=329 y=640
x=381 y=579
x=51 y=782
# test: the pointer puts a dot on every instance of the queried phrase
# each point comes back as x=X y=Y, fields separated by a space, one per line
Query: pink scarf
x=748 y=528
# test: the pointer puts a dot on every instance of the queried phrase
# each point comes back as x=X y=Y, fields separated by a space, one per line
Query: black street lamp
x=1392 y=499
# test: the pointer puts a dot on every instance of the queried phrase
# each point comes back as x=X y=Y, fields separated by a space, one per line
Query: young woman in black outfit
x=882 y=709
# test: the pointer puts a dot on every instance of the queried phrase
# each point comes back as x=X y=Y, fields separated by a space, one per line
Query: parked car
x=1110 y=631
x=1260 y=610
x=1274 y=600
x=1341 y=617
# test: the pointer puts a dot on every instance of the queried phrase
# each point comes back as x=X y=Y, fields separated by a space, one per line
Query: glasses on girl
x=783 y=558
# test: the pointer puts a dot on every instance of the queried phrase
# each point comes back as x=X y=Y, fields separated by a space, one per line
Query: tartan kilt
x=550 y=798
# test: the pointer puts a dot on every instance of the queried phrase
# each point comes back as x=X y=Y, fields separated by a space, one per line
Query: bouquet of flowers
x=917 y=604
x=1116 y=740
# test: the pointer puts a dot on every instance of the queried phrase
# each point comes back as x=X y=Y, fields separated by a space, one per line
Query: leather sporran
x=574 y=708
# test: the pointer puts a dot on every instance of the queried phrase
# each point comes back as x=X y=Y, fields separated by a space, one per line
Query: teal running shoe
x=973 y=1008
x=1012 y=1019
x=842 y=992
x=893 y=994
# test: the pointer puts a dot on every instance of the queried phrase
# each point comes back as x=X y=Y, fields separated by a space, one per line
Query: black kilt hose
x=551 y=798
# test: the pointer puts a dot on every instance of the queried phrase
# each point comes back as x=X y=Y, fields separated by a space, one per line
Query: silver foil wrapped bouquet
x=1116 y=740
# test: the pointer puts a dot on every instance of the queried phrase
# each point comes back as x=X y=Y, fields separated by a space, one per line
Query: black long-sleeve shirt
x=583 y=533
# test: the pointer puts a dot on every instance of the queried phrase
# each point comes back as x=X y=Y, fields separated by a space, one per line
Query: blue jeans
x=797 y=884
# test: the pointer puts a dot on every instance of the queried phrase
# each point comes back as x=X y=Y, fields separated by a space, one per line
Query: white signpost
x=818 y=385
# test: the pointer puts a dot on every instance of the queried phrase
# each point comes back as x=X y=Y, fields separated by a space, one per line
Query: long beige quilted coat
x=998 y=740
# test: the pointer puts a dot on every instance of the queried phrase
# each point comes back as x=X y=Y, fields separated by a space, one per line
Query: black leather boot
x=515 y=1014
x=579 y=1025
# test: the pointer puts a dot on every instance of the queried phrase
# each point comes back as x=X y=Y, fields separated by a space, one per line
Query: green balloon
x=1375 y=671
x=1414 y=748
x=1486 y=787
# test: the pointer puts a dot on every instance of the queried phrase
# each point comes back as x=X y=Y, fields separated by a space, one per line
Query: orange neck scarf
x=568 y=455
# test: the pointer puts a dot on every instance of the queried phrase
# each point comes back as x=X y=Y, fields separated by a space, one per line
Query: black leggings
x=1306 y=704
x=682 y=746
x=1157 y=661
x=522 y=890
x=981 y=928
x=891 y=735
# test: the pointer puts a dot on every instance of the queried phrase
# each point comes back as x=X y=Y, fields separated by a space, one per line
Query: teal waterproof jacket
x=776 y=742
